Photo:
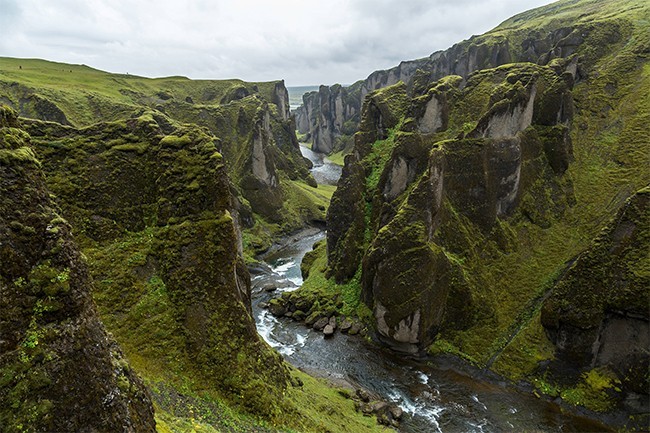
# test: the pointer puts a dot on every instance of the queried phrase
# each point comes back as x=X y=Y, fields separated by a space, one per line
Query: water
x=324 y=171
x=435 y=395
x=295 y=95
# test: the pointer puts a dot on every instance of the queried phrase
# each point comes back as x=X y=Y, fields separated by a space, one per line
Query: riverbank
x=441 y=394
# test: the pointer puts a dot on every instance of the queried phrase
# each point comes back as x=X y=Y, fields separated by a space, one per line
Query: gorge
x=459 y=243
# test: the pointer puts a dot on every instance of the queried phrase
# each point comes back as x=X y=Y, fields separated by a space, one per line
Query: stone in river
x=328 y=331
x=321 y=323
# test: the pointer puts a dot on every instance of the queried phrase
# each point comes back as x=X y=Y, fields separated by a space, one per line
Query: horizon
x=252 y=40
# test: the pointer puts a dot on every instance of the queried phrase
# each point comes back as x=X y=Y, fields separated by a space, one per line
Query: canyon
x=165 y=241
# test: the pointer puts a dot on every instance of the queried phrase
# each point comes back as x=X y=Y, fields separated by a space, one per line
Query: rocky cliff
x=153 y=204
x=331 y=116
x=256 y=134
x=157 y=179
x=60 y=369
x=597 y=314
x=464 y=200
x=419 y=193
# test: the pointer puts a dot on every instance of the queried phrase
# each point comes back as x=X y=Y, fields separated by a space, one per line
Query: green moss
x=86 y=95
x=323 y=295
x=337 y=158
x=523 y=355
x=175 y=141
x=323 y=407
x=595 y=390
x=306 y=202
x=566 y=194
x=21 y=155
x=375 y=162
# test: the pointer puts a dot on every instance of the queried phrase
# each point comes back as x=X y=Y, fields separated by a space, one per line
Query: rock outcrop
x=409 y=270
x=331 y=115
x=148 y=178
x=252 y=121
x=597 y=314
x=464 y=200
x=60 y=369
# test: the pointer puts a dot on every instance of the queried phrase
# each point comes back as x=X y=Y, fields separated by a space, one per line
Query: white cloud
x=304 y=42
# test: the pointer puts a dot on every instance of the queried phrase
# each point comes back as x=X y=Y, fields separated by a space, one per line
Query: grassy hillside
x=232 y=110
x=86 y=95
x=153 y=175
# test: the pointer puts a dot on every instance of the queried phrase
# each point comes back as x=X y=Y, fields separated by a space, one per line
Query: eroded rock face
x=320 y=116
x=61 y=370
x=345 y=222
x=260 y=185
x=508 y=119
x=281 y=99
x=252 y=121
x=324 y=116
x=171 y=183
x=597 y=314
x=411 y=278
x=406 y=277
x=263 y=169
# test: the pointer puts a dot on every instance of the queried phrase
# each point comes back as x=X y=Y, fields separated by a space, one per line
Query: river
x=435 y=395
x=324 y=171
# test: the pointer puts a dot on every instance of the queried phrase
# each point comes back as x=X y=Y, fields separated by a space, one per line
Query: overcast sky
x=302 y=41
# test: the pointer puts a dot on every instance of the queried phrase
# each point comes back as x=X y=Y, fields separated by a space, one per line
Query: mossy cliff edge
x=255 y=133
x=330 y=116
x=59 y=368
x=155 y=214
x=466 y=199
x=168 y=184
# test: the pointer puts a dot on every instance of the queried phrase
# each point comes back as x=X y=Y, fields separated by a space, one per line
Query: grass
x=327 y=409
x=610 y=162
x=140 y=319
x=345 y=298
x=82 y=92
x=337 y=158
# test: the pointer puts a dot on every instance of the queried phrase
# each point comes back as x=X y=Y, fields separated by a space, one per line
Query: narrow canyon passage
x=435 y=396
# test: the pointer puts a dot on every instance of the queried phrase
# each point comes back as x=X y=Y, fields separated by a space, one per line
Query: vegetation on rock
x=157 y=187
x=59 y=368
x=462 y=208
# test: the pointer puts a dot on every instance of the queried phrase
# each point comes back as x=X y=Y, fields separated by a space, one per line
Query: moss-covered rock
x=345 y=222
x=420 y=176
x=542 y=36
x=154 y=204
x=525 y=163
x=597 y=314
x=251 y=121
x=60 y=370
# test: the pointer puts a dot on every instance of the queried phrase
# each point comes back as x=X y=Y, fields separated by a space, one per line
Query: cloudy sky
x=302 y=41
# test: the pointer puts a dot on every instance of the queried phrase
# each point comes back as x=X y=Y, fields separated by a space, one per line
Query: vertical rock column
x=59 y=369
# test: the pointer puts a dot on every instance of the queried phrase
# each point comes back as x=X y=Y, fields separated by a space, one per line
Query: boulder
x=346 y=324
x=355 y=329
x=363 y=395
x=299 y=315
x=269 y=288
x=328 y=331
x=321 y=323
x=380 y=407
x=396 y=412
x=277 y=307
